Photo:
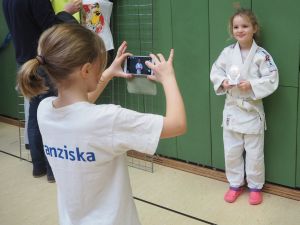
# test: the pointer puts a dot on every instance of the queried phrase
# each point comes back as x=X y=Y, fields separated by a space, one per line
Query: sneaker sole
x=37 y=176
x=51 y=181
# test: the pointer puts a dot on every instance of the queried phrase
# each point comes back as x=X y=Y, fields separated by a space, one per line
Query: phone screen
x=136 y=65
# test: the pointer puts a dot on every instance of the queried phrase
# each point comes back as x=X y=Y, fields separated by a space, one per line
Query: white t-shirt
x=85 y=145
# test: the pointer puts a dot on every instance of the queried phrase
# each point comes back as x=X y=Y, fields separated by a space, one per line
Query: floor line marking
x=174 y=211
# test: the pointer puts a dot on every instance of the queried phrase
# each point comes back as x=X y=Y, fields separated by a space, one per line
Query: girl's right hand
x=175 y=118
x=226 y=85
x=73 y=6
x=115 y=69
x=162 y=69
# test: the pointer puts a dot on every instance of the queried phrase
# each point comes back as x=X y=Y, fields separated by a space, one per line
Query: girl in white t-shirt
x=86 y=144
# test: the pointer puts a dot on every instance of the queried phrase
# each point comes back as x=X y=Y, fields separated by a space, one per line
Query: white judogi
x=243 y=115
x=139 y=68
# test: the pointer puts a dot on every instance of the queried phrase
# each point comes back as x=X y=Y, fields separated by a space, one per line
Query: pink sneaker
x=255 y=197
x=232 y=194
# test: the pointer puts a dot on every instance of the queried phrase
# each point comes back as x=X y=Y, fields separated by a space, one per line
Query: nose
x=239 y=29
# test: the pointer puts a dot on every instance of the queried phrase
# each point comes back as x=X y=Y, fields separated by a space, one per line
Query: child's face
x=243 y=30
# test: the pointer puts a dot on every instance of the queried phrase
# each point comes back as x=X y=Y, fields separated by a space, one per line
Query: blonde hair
x=61 y=49
x=252 y=18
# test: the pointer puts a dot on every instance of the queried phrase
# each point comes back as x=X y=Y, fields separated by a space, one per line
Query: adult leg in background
x=40 y=163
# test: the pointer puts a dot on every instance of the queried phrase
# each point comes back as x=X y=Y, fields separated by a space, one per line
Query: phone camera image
x=136 y=65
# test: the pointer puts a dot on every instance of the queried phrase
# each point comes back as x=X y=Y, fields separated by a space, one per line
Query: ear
x=255 y=29
x=85 y=70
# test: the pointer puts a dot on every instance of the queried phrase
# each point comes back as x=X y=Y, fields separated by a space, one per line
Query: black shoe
x=39 y=173
x=50 y=178
x=27 y=146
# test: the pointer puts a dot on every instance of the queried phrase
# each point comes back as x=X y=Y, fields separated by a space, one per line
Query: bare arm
x=115 y=70
x=104 y=80
x=175 y=118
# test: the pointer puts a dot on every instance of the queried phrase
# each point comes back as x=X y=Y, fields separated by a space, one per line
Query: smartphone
x=136 y=66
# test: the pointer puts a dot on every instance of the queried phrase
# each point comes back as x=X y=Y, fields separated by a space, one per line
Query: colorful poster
x=96 y=17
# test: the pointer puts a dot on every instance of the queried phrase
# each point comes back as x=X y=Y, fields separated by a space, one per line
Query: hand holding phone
x=162 y=68
x=116 y=69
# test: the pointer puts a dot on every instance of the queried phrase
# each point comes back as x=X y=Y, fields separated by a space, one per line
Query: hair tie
x=40 y=59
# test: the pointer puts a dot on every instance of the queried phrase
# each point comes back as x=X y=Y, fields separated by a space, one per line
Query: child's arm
x=115 y=70
x=218 y=75
x=267 y=80
x=175 y=119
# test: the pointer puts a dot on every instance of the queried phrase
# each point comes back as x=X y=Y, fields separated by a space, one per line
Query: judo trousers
x=237 y=166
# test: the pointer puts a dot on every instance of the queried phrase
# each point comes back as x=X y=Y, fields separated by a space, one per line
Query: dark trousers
x=39 y=160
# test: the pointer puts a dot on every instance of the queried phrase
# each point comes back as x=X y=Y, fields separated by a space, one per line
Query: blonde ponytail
x=29 y=81
x=61 y=49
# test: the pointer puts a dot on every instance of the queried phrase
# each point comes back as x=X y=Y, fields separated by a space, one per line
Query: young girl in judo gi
x=245 y=73
x=86 y=144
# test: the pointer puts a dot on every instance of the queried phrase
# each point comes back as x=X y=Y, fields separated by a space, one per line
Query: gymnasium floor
x=164 y=197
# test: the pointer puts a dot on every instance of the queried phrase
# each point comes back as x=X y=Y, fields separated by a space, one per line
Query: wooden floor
x=167 y=196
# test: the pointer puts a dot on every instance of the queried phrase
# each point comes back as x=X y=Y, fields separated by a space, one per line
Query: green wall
x=197 y=30
x=8 y=96
x=191 y=64
x=298 y=135
x=298 y=128
x=282 y=107
x=162 y=42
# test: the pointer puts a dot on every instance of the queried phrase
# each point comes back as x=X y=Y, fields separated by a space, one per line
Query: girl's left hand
x=244 y=85
x=115 y=69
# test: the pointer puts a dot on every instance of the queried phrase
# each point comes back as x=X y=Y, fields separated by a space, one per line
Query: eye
x=235 y=27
